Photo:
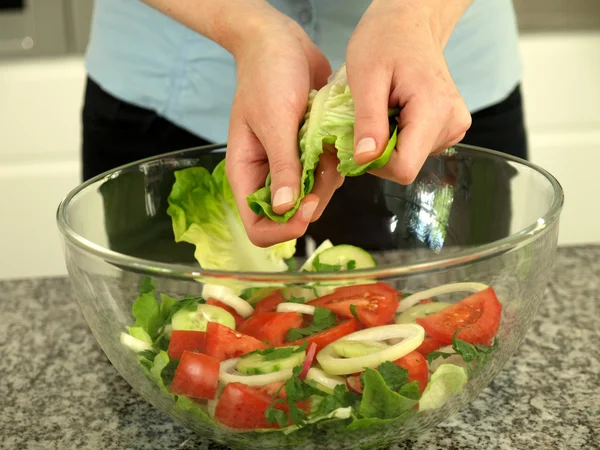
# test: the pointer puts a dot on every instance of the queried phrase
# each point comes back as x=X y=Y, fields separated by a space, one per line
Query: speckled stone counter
x=59 y=391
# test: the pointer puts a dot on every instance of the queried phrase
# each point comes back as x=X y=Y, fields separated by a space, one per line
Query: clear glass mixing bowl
x=472 y=215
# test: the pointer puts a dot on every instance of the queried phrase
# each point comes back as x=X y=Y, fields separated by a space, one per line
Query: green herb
x=273 y=353
x=394 y=376
x=480 y=354
x=353 y=311
x=322 y=267
x=296 y=300
x=341 y=398
x=351 y=265
x=435 y=355
x=274 y=415
x=322 y=319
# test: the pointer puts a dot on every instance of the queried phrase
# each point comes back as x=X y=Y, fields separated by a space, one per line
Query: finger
x=246 y=166
x=416 y=140
x=277 y=130
x=371 y=93
x=327 y=181
x=264 y=232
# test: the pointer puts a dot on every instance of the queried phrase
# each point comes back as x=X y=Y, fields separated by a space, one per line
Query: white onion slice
x=227 y=296
x=412 y=336
x=319 y=376
x=229 y=374
x=296 y=307
x=415 y=298
x=308 y=264
x=137 y=345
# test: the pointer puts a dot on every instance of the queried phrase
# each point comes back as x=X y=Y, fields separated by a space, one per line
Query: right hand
x=277 y=67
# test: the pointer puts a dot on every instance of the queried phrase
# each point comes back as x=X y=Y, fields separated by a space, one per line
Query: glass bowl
x=471 y=216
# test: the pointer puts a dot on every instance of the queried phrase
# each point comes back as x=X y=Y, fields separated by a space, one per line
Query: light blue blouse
x=145 y=58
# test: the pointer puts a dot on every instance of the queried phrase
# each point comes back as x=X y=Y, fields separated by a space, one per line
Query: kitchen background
x=41 y=86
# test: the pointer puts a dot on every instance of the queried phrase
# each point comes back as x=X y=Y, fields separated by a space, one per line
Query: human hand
x=395 y=58
x=277 y=68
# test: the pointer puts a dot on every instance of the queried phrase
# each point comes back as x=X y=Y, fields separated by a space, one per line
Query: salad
x=290 y=359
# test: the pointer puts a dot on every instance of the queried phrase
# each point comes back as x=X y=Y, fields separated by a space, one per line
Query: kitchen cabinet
x=40 y=107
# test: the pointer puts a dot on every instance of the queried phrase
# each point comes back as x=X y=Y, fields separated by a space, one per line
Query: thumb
x=370 y=93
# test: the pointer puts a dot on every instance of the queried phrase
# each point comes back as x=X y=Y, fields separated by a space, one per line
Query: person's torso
x=146 y=58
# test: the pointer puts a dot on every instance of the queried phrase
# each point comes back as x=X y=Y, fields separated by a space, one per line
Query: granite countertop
x=59 y=391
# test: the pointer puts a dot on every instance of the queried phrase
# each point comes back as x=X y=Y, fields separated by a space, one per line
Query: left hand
x=395 y=58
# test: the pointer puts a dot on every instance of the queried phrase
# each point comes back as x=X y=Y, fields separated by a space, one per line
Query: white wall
x=40 y=104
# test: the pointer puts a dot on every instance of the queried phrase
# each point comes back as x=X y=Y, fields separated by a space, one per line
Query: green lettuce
x=204 y=213
x=447 y=381
x=329 y=119
x=381 y=402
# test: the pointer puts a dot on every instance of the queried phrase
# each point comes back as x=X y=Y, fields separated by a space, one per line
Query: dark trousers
x=117 y=133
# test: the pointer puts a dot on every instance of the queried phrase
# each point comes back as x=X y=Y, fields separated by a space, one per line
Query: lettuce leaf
x=380 y=402
x=329 y=119
x=447 y=381
x=204 y=213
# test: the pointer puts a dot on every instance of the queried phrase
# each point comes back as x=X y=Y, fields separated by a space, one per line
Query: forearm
x=441 y=15
x=229 y=23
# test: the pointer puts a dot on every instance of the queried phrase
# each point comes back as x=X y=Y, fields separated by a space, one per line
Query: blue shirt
x=145 y=58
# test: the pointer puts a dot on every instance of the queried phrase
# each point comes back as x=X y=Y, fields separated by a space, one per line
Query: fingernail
x=308 y=210
x=283 y=196
x=365 y=145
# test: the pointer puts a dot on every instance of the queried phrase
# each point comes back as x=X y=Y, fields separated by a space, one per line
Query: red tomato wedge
x=196 y=376
x=182 y=340
x=239 y=320
x=477 y=317
x=329 y=335
x=429 y=345
x=376 y=304
x=269 y=303
x=224 y=343
x=243 y=407
x=271 y=326
x=417 y=368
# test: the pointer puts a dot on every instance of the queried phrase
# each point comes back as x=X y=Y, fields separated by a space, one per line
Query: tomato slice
x=376 y=304
x=243 y=407
x=272 y=326
x=417 y=368
x=429 y=345
x=224 y=343
x=182 y=340
x=197 y=376
x=477 y=317
x=329 y=335
x=269 y=303
x=239 y=320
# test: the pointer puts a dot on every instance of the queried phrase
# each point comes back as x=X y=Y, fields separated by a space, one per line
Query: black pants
x=117 y=133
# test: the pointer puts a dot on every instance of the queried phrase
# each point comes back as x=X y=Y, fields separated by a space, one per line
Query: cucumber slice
x=352 y=349
x=257 y=364
x=346 y=257
x=411 y=315
x=197 y=320
x=307 y=266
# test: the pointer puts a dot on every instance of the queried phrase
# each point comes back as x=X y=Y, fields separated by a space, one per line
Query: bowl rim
x=433 y=264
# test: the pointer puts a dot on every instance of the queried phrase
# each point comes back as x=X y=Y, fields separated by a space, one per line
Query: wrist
x=235 y=26
x=440 y=16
